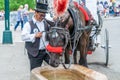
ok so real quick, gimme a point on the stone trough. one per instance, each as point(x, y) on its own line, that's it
point(76, 72)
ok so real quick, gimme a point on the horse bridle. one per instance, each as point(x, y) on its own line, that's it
point(68, 39)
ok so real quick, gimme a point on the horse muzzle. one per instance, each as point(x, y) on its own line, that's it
point(55, 53)
point(54, 60)
point(54, 63)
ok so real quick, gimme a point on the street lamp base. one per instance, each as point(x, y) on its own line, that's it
point(7, 37)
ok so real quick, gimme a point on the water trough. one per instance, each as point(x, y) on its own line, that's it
point(76, 72)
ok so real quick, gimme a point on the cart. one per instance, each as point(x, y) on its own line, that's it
point(94, 41)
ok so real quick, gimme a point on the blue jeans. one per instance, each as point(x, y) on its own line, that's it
point(25, 19)
point(18, 22)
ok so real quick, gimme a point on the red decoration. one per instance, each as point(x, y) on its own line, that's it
point(83, 11)
point(56, 50)
point(60, 6)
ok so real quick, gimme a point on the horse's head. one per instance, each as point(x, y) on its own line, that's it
point(58, 39)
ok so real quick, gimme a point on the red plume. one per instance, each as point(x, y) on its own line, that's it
point(60, 6)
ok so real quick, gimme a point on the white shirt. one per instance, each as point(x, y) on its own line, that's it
point(100, 7)
point(27, 37)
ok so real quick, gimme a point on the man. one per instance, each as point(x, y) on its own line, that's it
point(19, 17)
point(25, 13)
point(34, 37)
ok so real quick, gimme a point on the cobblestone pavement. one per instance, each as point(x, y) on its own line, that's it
point(14, 64)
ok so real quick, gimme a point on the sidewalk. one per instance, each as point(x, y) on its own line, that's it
point(14, 63)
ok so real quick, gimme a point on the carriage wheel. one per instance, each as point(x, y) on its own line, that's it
point(106, 47)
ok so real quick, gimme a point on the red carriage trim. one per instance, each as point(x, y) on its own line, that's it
point(57, 50)
point(83, 11)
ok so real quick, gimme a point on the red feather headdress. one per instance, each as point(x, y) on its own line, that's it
point(60, 6)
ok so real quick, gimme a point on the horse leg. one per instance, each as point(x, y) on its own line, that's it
point(83, 48)
point(67, 60)
point(75, 57)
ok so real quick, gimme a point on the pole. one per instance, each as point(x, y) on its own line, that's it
point(7, 34)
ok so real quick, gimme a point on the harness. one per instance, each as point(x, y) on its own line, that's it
point(78, 27)
point(77, 24)
point(77, 32)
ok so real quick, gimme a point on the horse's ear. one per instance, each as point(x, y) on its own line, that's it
point(65, 21)
point(60, 6)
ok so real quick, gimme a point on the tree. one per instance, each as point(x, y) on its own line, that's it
point(1, 4)
point(14, 4)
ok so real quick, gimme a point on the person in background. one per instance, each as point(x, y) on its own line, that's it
point(100, 9)
point(31, 10)
point(2, 15)
point(19, 17)
point(106, 9)
point(34, 37)
point(31, 13)
point(25, 13)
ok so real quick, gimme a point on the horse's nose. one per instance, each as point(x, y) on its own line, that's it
point(54, 64)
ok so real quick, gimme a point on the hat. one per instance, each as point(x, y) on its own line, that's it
point(41, 6)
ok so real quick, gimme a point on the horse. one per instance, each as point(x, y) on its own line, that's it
point(69, 35)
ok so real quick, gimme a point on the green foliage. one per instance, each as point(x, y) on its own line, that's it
point(1, 4)
point(14, 4)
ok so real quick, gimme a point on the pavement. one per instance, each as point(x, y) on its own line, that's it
point(14, 63)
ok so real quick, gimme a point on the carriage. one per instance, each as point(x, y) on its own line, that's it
point(97, 37)
point(72, 33)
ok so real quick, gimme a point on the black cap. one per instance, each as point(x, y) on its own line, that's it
point(41, 6)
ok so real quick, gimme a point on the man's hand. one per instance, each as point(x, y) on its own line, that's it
point(38, 35)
